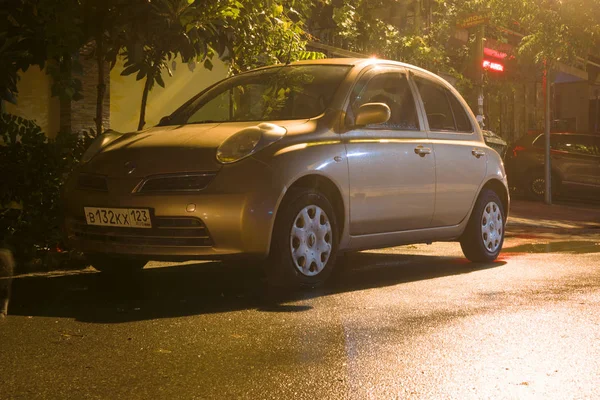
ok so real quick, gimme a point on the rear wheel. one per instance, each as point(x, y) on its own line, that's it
point(305, 241)
point(115, 265)
point(536, 185)
point(484, 235)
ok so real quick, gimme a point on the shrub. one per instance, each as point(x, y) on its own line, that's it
point(33, 169)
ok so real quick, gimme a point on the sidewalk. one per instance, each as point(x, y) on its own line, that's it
point(537, 217)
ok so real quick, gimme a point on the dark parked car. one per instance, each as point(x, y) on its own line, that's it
point(575, 161)
point(495, 142)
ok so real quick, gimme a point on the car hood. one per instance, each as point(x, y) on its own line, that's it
point(167, 149)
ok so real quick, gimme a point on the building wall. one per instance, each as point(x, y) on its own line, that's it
point(83, 112)
point(35, 101)
point(126, 93)
point(572, 101)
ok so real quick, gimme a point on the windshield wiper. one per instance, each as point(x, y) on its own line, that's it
point(206, 121)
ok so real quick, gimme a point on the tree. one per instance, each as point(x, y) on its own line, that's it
point(420, 31)
point(43, 33)
point(160, 30)
point(103, 26)
point(247, 34)
point(367, 27)
point(266, 32)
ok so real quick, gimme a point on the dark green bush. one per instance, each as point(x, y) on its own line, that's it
point(33, 169)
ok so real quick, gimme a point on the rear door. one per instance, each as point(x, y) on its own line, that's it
point(461, 158)
point(578, 159)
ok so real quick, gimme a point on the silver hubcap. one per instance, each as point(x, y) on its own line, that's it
point(310, 240)
point(491, 227)
point(538, 186)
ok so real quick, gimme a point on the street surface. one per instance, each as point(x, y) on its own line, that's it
point(415, 322)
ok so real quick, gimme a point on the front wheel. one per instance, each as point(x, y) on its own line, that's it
point(305, 241)
point(115, 265)
point(484, 235)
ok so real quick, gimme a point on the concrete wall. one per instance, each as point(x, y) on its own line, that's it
point(35, 101)
point(126, 93)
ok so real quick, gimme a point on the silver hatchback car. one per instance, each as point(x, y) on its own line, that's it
point(293, 164)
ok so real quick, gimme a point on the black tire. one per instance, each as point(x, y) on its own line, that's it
point(473, 240)
point(283, 267)
point(535, 185)
point(115, 265)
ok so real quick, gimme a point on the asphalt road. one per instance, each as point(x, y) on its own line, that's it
point(410, 322)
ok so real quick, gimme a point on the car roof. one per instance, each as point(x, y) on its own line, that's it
point(574, 133)
point(363, 62)
point(354, 62)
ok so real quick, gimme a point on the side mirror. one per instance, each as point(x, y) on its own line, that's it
point(372, 113)
point(164, 120)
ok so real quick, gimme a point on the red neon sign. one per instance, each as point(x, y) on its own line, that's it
point(487, 64)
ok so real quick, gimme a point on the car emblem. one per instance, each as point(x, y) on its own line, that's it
point(130, 167)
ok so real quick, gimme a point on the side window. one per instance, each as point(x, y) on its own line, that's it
point(575, 144)
point(392, 89)
point(437, 107)
point(463, 124)
point(558, 142)
point(582, 145)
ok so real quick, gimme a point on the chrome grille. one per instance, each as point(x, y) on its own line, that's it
point(165, 231)
point(92, 182)
point(175, 183)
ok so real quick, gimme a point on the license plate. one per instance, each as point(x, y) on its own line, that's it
point(125, 217)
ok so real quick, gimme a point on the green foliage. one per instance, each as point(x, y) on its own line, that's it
point(33, 170)
point(40, 32)
point(267, 32)
point(247, 33)
point(364, 26)
point(557, 31)
point(157, 31)
point(20, 45)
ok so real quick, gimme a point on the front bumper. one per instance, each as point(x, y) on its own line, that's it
point(232, 217)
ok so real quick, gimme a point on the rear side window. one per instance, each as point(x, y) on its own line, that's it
point(444, 111)
point(576, 144)
point(463, 124)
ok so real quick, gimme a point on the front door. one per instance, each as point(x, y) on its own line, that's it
point(391, 165)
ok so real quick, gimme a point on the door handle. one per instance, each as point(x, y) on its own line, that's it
point(422, 151)
point(478, 153)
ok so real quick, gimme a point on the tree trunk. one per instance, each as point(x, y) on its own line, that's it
point(101, 88)
point(149, 80)
point(418, 28)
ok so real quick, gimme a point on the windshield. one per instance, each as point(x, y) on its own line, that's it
point(280, 93)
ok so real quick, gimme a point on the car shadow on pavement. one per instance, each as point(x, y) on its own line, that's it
point(212, 287)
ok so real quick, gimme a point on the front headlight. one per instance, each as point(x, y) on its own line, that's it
point(98, 144)
point(248, 141)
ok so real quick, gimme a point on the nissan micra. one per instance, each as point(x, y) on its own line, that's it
point(293, 164)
